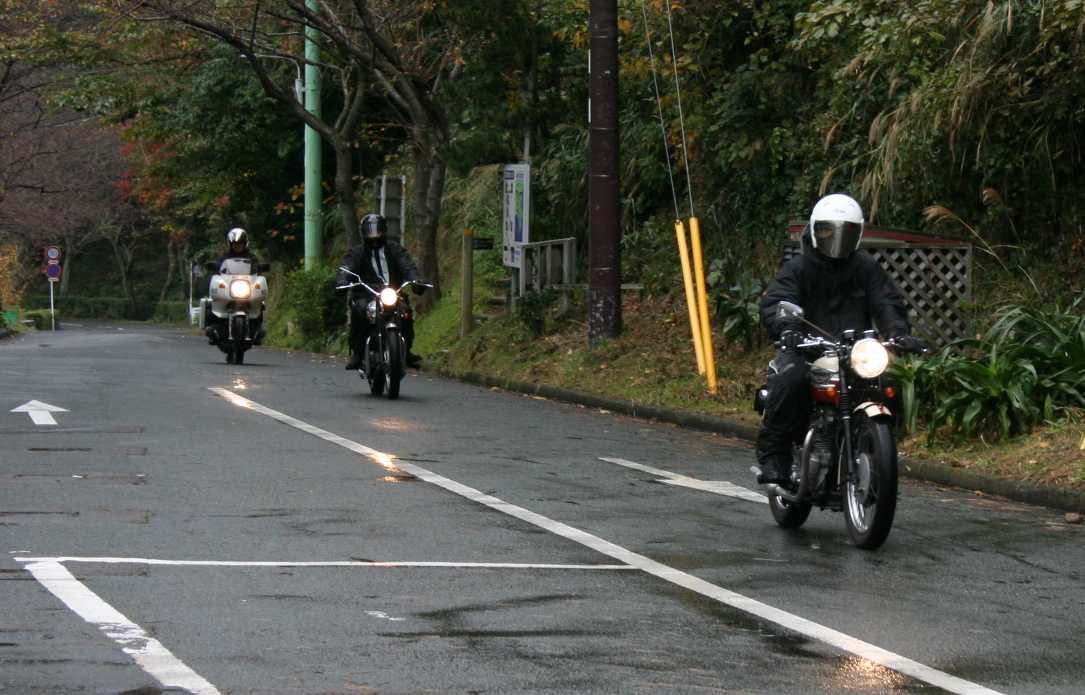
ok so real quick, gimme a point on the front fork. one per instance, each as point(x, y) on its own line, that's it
point(844, 403)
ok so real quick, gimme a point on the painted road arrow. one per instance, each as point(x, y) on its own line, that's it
point(40, 413)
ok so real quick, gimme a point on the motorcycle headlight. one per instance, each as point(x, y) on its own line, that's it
point(869, 358)
point(389, 297)
point(240, 289)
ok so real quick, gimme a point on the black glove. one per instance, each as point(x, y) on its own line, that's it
point(419, 289)
point(790, 339)
point(910, 343)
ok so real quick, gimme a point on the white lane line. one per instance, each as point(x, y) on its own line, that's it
point(146, 651)
point(764, 611)
point(331, 563)
point(718, 487)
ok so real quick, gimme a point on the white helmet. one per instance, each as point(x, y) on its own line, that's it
point(238, 240)
point(836, 225)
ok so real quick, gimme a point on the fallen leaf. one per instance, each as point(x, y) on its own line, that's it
point(1073, 518)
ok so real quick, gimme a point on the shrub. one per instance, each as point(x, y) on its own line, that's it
point(311, 302)
point(531, 309)
point(1028, 367)
point(170, 312)
point(42, 318)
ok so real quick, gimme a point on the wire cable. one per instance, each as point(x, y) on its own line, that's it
point(681, 118)
point(659, 104)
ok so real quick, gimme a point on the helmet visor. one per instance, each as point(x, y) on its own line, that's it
point(837, 238)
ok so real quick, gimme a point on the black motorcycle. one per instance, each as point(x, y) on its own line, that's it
point(385, 360)
point(848, 458)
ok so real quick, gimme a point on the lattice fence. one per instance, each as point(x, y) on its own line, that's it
point(936, 281)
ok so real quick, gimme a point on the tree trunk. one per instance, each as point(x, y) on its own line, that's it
point(123, 256)
point(344, 188)
point(429, 178)
point(171, 257)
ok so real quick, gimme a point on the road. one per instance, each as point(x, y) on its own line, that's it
point(191, 526)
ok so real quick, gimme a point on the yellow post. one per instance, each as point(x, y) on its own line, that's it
point(691, 295)
point(702, 303)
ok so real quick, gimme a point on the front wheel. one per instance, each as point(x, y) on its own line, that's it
point(394, 362)
point(871, 492)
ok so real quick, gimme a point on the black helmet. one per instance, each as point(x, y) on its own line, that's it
point(373, 229)
point(238, 240)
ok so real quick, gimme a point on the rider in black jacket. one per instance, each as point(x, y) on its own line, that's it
point(838, 288)
point(379, 261)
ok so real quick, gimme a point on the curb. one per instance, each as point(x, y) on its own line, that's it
point(1020, 491)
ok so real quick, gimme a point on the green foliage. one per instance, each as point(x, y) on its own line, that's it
point(312, 306)
point(1028, 368)
point(738, 306)
point(42, 318)
point(171, 312)
point(117, 308)
point(532, 308)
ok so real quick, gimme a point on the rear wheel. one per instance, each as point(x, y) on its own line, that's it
point(871, 494)
point(393, 359)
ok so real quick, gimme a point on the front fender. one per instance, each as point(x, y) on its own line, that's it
point(873, 410)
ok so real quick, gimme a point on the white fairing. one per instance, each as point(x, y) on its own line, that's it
point(829, 363)
point(223, 304)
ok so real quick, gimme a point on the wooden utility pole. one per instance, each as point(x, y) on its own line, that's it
point(604, 274)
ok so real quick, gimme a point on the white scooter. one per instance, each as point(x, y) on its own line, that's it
point(238, 292)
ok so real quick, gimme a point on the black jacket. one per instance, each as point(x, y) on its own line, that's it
point(360, 260)
point(836, 294)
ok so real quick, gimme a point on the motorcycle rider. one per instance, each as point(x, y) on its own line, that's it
point(838, 287)
point(378, 261)
point(237, 240)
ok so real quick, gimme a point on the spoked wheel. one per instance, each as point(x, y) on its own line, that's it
point(871, 494)
point(393, 359)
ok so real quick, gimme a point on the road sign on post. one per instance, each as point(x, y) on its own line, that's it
point(517, 212)
point(52, 254)
point(52, 271)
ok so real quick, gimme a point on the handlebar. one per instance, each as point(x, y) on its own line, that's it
point(810, 342)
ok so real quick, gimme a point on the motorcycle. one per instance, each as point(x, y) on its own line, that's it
point(848, 459)
point(385, 359)
point(238, 293)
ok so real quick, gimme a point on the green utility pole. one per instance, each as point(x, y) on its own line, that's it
point(314, 243)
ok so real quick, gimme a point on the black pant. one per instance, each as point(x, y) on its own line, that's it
point(787, 408)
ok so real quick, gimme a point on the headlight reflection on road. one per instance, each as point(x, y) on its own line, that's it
point(853, 673)
point(385, 461)
point(240, 384)
point(395, 424)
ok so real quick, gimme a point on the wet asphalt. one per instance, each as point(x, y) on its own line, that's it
point(148, 463)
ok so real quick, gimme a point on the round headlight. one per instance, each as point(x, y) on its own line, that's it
point(240, 289)
point(869, 358)
point(389, 297)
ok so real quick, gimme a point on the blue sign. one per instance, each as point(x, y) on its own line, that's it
point(53, 271)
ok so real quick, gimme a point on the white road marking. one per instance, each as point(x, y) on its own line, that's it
point(40, 413)
point(764, 611)
point(307, 563)
point(383, 616)
point(146, 651)
point(718, 487)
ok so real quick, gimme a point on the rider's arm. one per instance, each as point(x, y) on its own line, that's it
point(402, 259)
point(787, 286)
point(887, 304)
